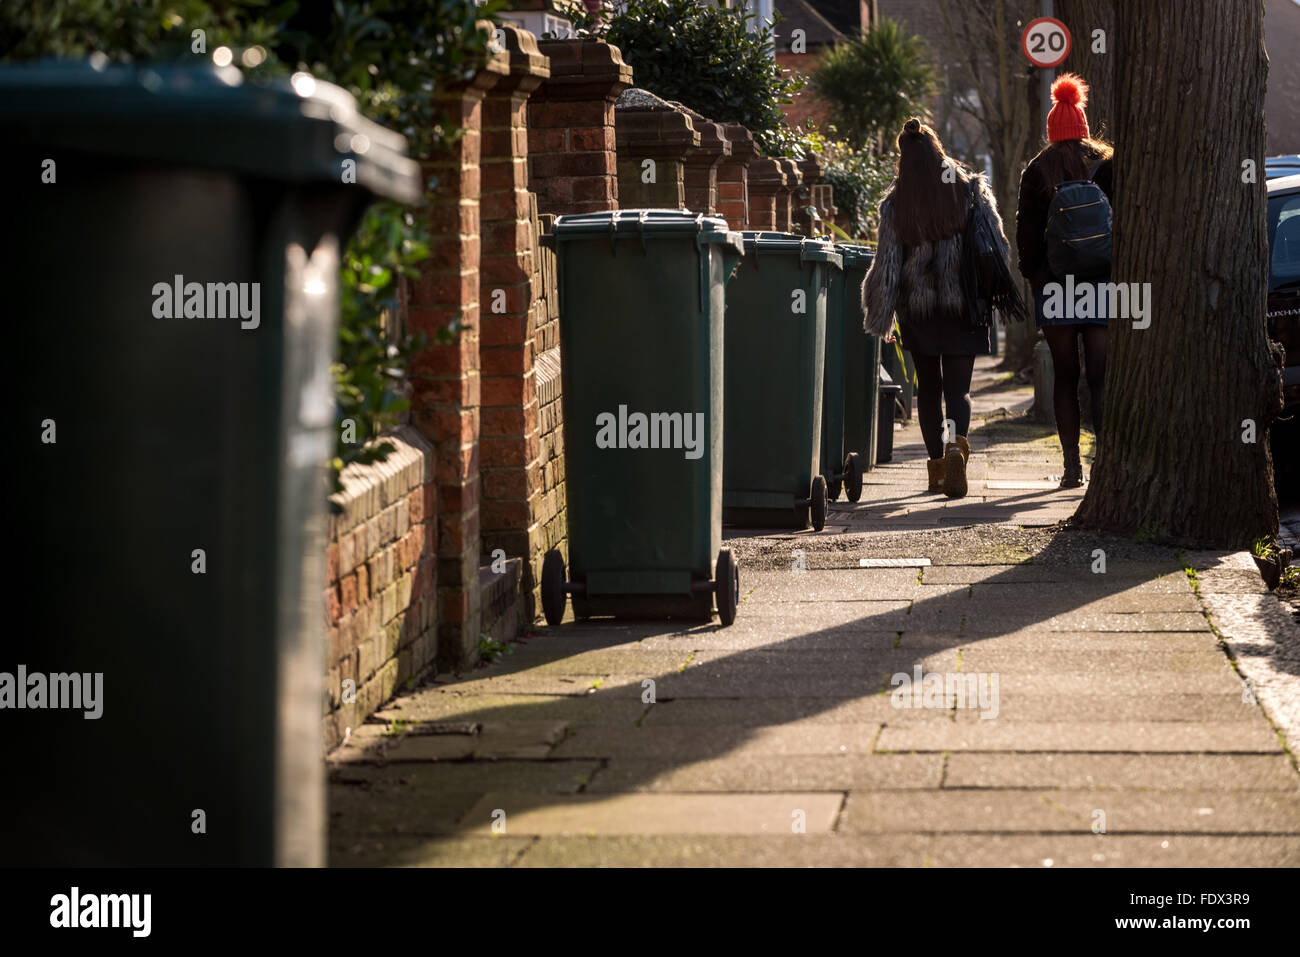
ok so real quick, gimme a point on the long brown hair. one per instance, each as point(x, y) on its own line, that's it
point(1072, 159)
point(926, 208)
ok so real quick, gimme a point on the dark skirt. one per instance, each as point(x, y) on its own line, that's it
point(942, 334)
point(1097, 313)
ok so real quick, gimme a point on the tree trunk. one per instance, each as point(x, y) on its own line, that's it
point(1173, 463)
point(1083, 17)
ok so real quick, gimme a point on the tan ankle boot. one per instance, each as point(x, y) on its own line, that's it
point(935, 467)
point(954, 467)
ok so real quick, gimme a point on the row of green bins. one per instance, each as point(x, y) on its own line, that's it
point(174, 449)
point(861, 360)
point(775, 350)
point(642, 296)
point(846, 453)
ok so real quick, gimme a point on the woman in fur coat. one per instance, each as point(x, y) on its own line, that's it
point(916, 274)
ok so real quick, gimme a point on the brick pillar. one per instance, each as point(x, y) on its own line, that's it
point(654, 138)
point(445, 378)
point(785, 196)
point(702, 164)
point(803, 205)
point(766, 179)
point(733, 176)
point(508, 448)
point(571, 161)
point(824, 201)
point(571, 169)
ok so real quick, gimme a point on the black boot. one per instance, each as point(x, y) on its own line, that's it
point(1073, 477)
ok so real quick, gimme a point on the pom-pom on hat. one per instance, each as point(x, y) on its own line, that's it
point(1067, 120)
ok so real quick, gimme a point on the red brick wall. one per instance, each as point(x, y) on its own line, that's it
point(380, 573)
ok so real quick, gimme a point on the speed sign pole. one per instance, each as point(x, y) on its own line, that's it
point(1045, 43)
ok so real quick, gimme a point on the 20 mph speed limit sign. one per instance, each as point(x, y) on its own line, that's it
point(1045, 42)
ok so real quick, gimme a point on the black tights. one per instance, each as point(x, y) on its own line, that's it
point(945, 378)
point(1064, 343)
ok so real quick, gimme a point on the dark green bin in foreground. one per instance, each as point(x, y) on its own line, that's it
point(776, 342)
point(641, 300)
point(861, 360)
point(172, 447)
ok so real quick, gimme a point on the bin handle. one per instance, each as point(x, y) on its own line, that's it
point(640, 221)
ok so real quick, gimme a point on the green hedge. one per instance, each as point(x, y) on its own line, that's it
point(704, 56)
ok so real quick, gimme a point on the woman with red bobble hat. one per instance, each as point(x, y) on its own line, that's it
point(1063, 235)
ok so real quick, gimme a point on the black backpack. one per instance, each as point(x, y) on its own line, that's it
point(986, 279)
point(1078, 230)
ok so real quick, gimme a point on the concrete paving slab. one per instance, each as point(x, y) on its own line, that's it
point(1072, 811)
point(1135, 736)
point(1113, 850)
point(428, 852)
point(650, 814)
point(1236, 772)
point(756, 773)
point(796, 850)
point(687, 742)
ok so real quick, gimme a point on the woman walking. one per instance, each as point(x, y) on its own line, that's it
point(1049, 255)
point(918, 273)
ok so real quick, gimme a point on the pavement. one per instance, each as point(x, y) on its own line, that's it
point(926, 682)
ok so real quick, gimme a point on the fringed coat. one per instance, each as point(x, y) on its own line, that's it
point(922, 284)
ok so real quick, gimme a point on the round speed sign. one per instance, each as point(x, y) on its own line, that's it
point(1045, 42)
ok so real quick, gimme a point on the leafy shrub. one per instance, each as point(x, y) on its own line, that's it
point(859, 177)
point(874, 82)
point(392, 55)
point(705, 57)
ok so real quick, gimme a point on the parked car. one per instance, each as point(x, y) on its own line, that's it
point(1276, 166)
point(1284, 303)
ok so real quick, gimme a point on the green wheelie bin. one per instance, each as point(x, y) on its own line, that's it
point(841, 462)
point(775, 352)
point(641, 301)
point(861, 360)
point(175, 302)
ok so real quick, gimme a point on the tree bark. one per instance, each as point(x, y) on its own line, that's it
point(1083, 17)
point(1173, 465)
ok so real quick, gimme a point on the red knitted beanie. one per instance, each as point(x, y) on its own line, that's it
point(1067, 120)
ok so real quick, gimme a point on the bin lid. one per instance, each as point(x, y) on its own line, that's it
point(646, 223)
point(760, 242)
point(297, 129)
point(855, 256)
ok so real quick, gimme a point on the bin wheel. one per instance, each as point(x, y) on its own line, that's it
point(727, 576)
point(853, 477)
point(818, 503)
point(832, 489)
point(553, 587)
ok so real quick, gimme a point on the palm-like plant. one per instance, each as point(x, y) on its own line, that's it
point(874, 82)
